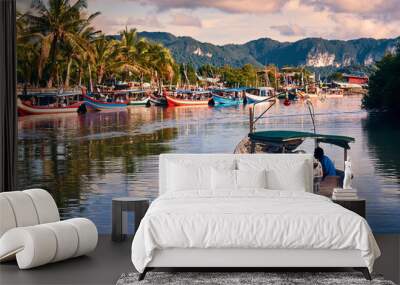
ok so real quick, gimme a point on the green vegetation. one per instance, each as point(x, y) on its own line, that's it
point(264, 51)
point(58, 46)
point(384, 85)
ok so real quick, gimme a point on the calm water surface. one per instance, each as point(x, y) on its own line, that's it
point(86, 160)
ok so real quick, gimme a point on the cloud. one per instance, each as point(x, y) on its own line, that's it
point(148, 21)
point(349, 26)
point(289, 30)
point(229, 6)
point(181, 19)
point(113, 25)
point(376, 9)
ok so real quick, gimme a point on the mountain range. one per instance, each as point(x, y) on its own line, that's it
point(312, 52)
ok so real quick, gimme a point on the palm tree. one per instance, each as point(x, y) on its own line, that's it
point(105, 54)
point(58, 26)
point(161, 62)
point(130, 52)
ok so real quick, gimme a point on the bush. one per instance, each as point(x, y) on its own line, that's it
point(384, 85)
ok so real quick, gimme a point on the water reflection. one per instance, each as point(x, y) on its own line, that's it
point(86, 160)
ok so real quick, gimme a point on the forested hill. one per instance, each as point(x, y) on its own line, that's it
point(313, 52)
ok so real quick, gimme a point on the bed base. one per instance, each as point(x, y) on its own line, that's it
point(242, 260)
point(363, 270)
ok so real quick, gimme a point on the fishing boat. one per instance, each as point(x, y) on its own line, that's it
point(188, 98)
point(259, 94)
point(137, 98)
point(228, 97)
point(288, 141)
point(97, 101)
point(158, 100)
point(49, 103)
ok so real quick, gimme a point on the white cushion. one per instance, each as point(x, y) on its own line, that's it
point(254, 179)
point(45, 205)
point(37, 245)
point(23, 208)
point(184, 175)
point(7, 218)
point(223, 179)
point(283, 173)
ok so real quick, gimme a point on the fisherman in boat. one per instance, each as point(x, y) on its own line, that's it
point(328, 167)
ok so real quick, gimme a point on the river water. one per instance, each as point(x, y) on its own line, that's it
point(85, 160)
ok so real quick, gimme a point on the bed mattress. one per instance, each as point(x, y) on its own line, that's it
point(250, 219)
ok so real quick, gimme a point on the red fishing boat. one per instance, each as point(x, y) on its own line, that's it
point(49, 103)
point(189, 98)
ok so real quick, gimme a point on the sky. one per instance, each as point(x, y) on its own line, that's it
point(239, 21)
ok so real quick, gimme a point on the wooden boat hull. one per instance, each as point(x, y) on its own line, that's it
point(178, 102)
point(95, 105)
point(25, 110)
point(158, 101)
point(143, 102)
point(223, 101)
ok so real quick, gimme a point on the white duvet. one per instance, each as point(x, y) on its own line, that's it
point(250, 219)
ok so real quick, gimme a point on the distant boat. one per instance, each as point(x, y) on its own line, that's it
point(93, 104)
point(255, 95)
point(226, 101)
point(49, 103)
point(228, 97)
point(158, 100)
point(137, 97)
point(188, 98)
point(142, 102)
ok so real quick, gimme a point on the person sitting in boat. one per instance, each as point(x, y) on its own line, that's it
point(328, 167)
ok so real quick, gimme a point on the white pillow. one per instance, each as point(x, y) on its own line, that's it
point(284, 172)
point(294, 179)
point(184, 178)
point(192, 174)
point(251, 179)
point(223, 179)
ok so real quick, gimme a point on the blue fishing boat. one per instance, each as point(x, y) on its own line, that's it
point(93, 104)
point(228, 97)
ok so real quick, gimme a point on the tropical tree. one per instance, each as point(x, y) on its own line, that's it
point(384, 85)
point(60, 27)
point(105, 54)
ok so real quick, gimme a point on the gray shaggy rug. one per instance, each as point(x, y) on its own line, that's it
point(243, 278)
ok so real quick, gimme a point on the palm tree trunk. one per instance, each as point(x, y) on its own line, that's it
point(80, 76)
point(90, 78)
point(100, 75)
point(67, 77)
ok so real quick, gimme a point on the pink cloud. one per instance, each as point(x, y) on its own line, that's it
point(378, 9)
point(289, 30)
point(181, 19)
point(113, 25)
point(230, 6)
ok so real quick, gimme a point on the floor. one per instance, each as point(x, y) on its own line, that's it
point(104, 266)
point(110, 260)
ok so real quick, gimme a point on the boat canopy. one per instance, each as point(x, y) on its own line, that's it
point(286, 137)
point(183, 91)
point(239, 89)
point(51, 94)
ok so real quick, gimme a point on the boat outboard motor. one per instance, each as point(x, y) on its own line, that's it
point(148, 104)
point(211, 102)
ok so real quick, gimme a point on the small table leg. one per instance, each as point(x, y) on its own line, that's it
point(116, 222)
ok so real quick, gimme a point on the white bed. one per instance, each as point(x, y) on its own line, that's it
point(198, 222)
